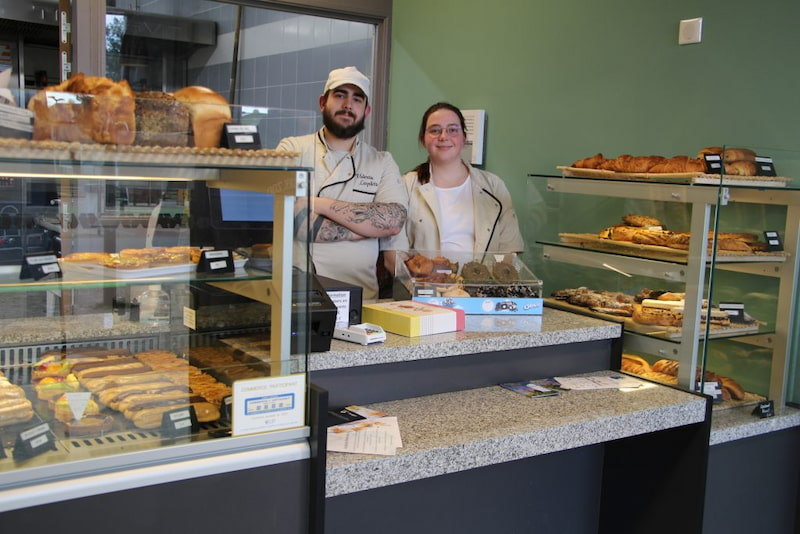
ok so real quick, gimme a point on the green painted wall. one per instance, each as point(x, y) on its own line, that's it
point(565, 79)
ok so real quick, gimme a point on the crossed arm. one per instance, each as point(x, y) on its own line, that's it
point(335, 220)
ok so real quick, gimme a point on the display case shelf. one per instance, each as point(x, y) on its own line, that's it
point(695, 271)
point(71, 313)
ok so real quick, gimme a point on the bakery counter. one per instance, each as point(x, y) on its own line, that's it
point(491, 460)
point(491, 349)
point(739, 423)
point(483, 333)
point(461, 430)
point(753, 465)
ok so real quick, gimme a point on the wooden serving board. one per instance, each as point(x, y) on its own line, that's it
point(676, 177)
point(595, 242)
point(670, 332)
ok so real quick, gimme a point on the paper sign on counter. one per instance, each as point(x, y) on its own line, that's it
point(598, 382)
point(370, 436)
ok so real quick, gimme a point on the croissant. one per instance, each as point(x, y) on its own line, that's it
point(592, 162)
point(741, 168)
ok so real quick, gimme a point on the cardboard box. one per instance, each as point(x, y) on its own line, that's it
point(518, 292)
point(412, 319)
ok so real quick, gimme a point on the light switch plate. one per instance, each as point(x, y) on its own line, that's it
point(690, 31)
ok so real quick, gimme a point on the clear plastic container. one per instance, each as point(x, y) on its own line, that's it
point(154, 306)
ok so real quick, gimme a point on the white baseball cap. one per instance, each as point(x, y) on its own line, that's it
point(347, 75)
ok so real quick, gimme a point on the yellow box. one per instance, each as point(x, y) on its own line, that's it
point(412, 319)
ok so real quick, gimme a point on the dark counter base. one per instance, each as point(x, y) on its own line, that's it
point(754, 485)
point(576, 491)
point(404, 380)
point(266, 499)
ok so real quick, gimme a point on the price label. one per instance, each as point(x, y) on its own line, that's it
point(764, 166)
point(735, 310)
point(714, 390)
point(243, 136)
point(34, 441)
point(38, 266)
point(216, 262)
point(225, 409)
point(713, 163)
point(178, 423)
point(773, 239)
point(764, 409)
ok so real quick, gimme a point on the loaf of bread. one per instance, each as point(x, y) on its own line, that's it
point(209, 112)
point(85, 109)
point(161, 120)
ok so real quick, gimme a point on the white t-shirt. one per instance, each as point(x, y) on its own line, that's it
point(457, 231)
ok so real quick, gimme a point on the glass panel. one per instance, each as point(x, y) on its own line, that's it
point(267, 61)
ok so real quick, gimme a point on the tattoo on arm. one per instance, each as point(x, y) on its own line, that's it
point(382, 216)
point(331, 232)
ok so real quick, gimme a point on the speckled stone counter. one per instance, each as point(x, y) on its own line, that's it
point(739, 423)
point(71, 328)
point(452, 432)
point(483, 333)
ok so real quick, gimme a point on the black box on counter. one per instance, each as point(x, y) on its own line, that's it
point(347, 299)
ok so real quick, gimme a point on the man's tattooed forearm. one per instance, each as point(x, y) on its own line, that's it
point(331, 232)
point(382, 216)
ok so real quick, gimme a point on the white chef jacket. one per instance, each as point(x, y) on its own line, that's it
point(364, 175)
point(496, 226)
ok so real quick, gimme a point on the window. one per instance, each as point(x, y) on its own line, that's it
point(262, 56)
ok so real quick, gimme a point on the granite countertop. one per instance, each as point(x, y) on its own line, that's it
point(72, 328)
point(483, 333)
point(739, 423)
point(453, 432)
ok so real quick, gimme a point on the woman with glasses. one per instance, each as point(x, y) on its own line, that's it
point(454, 207)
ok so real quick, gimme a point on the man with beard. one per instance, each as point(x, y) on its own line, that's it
point(358, 198)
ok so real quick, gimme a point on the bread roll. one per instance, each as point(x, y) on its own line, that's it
point(666, 366)
point(656, 316)
point(733, 387)
point(652, 237)
point(209, 113)
point(644, 221)
point(624, 232)
point(738, 154)
point(635, 362)
point(592, 162)
point(741, 168)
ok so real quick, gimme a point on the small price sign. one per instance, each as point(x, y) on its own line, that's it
point(37, 266)
point(243, 136)
point(179, 423)
point(216, 262)
point(764, 409)
point(34, 441)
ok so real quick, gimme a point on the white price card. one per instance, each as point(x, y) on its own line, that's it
point(266, 404)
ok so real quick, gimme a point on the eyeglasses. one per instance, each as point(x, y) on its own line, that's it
point(436, 131)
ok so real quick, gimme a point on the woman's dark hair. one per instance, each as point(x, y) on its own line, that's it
point(423, 170)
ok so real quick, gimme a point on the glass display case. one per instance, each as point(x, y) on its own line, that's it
point(154, 307)
point(716, 314)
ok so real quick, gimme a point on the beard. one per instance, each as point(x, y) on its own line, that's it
point(342, 132)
